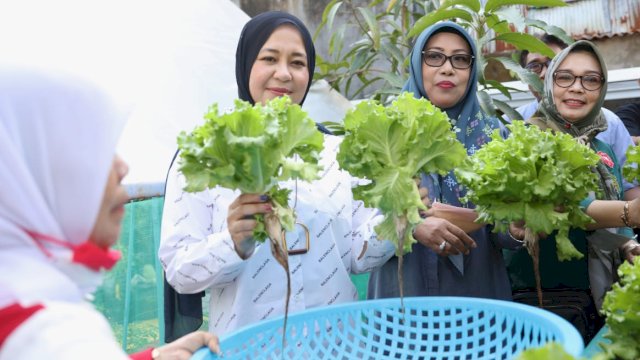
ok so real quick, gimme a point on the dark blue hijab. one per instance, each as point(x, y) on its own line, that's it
point(472, 126)
point(255, 33)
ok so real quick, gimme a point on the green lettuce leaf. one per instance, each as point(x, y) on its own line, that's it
point(622, 309)
point(549, 351)
point(251, 149)
point(391, 146)
point(527, 177)
point(630, 170)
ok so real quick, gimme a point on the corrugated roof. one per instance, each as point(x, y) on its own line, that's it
point(584, 19)
point(592, 19)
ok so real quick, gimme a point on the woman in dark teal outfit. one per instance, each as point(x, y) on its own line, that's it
point(574, 93)
point(443, 69)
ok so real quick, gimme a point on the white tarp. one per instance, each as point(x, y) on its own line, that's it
point(168, 60)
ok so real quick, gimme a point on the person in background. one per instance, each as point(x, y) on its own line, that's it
point(630, 116)
point(574, 90)
point(616, 135)
point(449, 258)
point(206, 240)
point(61, 207)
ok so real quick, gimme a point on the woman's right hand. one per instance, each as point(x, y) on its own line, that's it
point(443, 237)
point(516, 230)
point(241, 221)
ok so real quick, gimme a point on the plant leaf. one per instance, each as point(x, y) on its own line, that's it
point(393, 79)
point(491, 5)
point(513, 16)
point(432, 18)
point(471, 4)
point(497, 24)
point(486, 103)
point(372, 23)
point(528, 42)
point(550, 29)
point(523, 74)
point(493, 84)
point(332, 14)
point(390, 146)
point(325, 16)
point(526, 176)
point(392, 3)
point(251, 149)
point(507, 110)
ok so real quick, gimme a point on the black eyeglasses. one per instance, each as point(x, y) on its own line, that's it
point(565, 79)
point(537, 66)
point(437, 59)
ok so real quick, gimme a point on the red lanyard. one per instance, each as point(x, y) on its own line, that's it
point(86, 253)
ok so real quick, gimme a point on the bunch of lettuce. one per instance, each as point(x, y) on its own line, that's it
point(622, 309)
point(551, 350)
point(533, 176)
point(390, 146)
point(631, 171)
point(251, 149)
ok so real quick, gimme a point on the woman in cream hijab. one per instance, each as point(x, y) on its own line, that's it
point(574, 92)
point(61, 205)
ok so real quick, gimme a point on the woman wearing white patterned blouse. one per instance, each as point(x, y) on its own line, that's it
point(206, 237)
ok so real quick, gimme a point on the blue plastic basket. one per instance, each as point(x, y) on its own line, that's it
point(429, 328)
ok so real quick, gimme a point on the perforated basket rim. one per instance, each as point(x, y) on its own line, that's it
point(567, 335)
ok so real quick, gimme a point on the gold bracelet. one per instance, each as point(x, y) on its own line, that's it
point(625, 215)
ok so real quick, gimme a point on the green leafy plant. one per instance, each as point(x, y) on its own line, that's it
point(630, 170)
point(622, 309)
point(549, 351)
point(378, 62)
point(251, 149)
point(390, 147)
point(533, 176)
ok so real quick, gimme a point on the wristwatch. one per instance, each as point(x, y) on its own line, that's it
point(155, 354)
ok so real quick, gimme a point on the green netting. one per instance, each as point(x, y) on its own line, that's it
point(131, 296)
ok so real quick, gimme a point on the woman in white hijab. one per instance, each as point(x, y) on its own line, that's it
point(61, 204)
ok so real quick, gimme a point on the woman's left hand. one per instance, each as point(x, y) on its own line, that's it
point(184, 347)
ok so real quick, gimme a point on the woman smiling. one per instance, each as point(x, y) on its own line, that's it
point(574, 92)
point(451, 258)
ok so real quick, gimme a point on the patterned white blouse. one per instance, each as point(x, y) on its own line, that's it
point(197, 252)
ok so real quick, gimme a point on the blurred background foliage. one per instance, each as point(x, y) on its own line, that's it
point(376, 65)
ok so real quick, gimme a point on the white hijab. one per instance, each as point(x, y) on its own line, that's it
point(57, 141)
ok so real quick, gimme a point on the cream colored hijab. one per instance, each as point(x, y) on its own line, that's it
point(57, 141)
point(587, 128)
point(595, 122)
point(603, 256)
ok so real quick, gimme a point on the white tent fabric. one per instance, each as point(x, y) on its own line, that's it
point(167, 60)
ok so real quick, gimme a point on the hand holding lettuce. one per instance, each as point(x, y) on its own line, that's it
point(529, 177)
point(251, 149)
point(390, 147)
